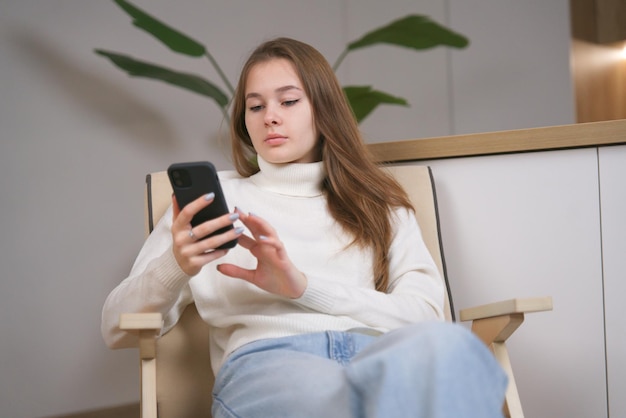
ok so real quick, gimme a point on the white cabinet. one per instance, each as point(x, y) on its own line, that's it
point(524, 225)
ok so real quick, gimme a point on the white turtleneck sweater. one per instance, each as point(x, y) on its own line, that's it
point(340, 294)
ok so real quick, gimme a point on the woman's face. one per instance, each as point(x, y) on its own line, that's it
point(278, 116)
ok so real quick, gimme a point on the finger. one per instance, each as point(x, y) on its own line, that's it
point(216, 241)
point(262, 232)
point(194, 264)
point(212, 225)
point(275, 243)
point(236, 272)
point(258, 226)
point(246, 242)
point(187, 213)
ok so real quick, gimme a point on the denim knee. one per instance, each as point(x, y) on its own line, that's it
point(440, 369)
point(444, 341)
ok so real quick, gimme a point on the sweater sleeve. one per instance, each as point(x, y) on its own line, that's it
point(415, 293)
point(155, 284)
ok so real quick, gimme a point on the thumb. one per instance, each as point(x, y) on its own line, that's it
point(236, 272)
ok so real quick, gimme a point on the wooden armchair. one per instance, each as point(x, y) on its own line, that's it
point(179, 381)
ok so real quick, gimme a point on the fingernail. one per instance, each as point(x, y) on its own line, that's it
point(234, 216)
point(262, 237)
point(239, 230)
point(209, 196)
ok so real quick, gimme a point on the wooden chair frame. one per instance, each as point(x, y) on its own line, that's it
point(493, 323)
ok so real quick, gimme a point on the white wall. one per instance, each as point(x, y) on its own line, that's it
point(513, 75)
point(77, 137)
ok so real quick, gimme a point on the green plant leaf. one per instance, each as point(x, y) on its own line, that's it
point(174, 39)
point(136, 68)
point(363, 100)
point(412, 31)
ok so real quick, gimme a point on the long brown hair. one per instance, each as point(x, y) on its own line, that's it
point(360, 196)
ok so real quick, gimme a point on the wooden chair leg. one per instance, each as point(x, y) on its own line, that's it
point(493, 324)
point(147, 326)
point(147, 354)
point(494, 332)
point(512, 405)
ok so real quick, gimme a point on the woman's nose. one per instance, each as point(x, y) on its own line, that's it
point(271, 116)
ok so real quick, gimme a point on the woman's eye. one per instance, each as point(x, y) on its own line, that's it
point(255, 108)
point(290, 102)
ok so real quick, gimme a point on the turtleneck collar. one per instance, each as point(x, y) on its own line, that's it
point(302, 180)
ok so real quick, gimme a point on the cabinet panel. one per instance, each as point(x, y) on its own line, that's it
point(613, 201)
point(598, 21)
point(527, 225)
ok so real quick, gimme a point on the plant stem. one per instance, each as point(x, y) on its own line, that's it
point(225, 113)
point(340, 59)
point(220, 72)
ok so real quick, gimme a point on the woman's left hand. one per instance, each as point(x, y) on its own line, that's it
point(275, 273)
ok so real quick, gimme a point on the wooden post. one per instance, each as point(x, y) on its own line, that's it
point(494, 332)
point(148, 326)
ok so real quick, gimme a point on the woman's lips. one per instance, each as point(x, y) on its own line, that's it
point(275, 139)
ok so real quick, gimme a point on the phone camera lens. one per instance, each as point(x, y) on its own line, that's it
point(180, 178)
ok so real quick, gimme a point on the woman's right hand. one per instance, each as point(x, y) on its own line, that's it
point(190, 252)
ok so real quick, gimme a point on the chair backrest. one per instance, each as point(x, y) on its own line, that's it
point(183, 366)
point(184, 376)
point(419, 184)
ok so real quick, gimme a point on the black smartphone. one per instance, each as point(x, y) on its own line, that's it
point(194, 179)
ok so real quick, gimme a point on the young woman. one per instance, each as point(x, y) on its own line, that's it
point(331, 305)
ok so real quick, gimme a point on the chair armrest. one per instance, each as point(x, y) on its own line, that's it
point(141, 321)
point(507, 307)
point(148, 326)
point(493, 324)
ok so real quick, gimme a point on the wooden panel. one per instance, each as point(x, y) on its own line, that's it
point(599, 21)
point(611, 15)
point(523, 140)
point(584, 20)
point(599, 73)
point(598, 66)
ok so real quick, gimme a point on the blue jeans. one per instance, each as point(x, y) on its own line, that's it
point(430, 370)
